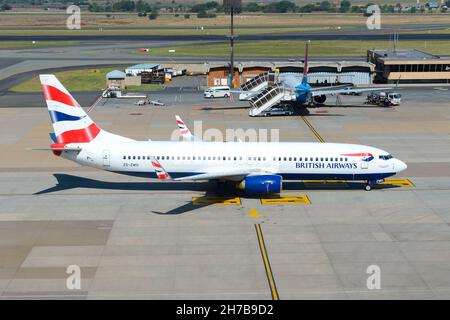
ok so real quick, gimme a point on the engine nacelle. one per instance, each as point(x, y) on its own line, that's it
point(262, 184)
point(320, 99)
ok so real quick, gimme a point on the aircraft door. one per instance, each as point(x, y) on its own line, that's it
point(364, 164)
point(106, 158)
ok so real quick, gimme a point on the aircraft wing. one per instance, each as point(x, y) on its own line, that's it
point(336, 87)
point(228, 174)
point(346, 90)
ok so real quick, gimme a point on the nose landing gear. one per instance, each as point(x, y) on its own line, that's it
point(369, 184)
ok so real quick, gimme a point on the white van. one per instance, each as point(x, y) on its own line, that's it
point(217, 92)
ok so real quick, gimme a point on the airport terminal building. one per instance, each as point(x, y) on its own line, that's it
point(409, 66)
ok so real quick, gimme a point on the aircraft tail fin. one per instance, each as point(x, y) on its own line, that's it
point(70, 122)
point(161, 173)
point(305, 65)
point(184, 130)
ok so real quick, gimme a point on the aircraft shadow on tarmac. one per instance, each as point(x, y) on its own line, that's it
point(67, 182)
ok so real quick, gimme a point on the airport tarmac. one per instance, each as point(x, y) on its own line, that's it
point(139, 238)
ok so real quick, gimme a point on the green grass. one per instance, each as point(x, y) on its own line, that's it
point(143, 31)
point(146, 87)
point(81, 80)
point(73, 80)
point(292, 48)
point(38, 44)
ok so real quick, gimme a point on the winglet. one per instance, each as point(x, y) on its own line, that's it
point(161, 173)
point(184, 130)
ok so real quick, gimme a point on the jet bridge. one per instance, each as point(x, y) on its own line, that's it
point(255, 85)
point(268, 98)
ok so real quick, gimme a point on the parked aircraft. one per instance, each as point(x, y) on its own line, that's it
point(307, 95)
point(255, 167)
point(291, 89)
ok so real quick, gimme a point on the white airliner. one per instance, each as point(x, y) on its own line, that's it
point(255, 167)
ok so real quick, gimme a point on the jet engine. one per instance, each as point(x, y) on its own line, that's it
point(262, 184)
point(320, 99)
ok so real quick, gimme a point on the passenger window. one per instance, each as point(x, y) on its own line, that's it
point(259, 158)
point(342, 159)
point(129, 157)
point(235, 158)
point(193, 158)
point(224, 158)
point(134, 157)
point(184, 158)
point(290, 158)
point(284, 158)
point(317, 159)
point(326, 159)
point(346, 159)
point(300, 159)
point(124, 157)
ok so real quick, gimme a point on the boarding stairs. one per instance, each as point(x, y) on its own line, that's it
point(255, 85)
point(268, 98)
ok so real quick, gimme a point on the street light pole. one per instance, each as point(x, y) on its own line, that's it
point(232, 7)
point(232, 48)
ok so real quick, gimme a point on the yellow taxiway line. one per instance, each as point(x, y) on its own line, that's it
point(262, 246)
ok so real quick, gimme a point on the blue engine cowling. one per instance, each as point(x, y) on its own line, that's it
point(262, 184)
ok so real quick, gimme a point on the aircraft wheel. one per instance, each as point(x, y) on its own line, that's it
point(367, 187)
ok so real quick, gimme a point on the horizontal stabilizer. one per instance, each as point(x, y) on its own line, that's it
point(57, 149)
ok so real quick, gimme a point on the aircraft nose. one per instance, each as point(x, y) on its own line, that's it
point(400, 166)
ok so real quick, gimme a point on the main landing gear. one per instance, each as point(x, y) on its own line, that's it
point(370, 183)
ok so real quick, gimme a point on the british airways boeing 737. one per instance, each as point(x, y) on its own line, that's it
point(255, 167)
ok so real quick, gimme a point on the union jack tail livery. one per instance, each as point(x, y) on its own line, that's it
point(184, 130)
point(159, 170)
point(70, 123)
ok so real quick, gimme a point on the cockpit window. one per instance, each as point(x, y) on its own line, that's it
point(386, 157)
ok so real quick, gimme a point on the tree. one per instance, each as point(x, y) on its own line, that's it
point(205, 6)
point(345, 6)
point(280, 7)
point(5, 7)
point(204, 14)
point(140, 6)
point(187, 16)
point(355, 9)
point(252, 7)
point(153, 15)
